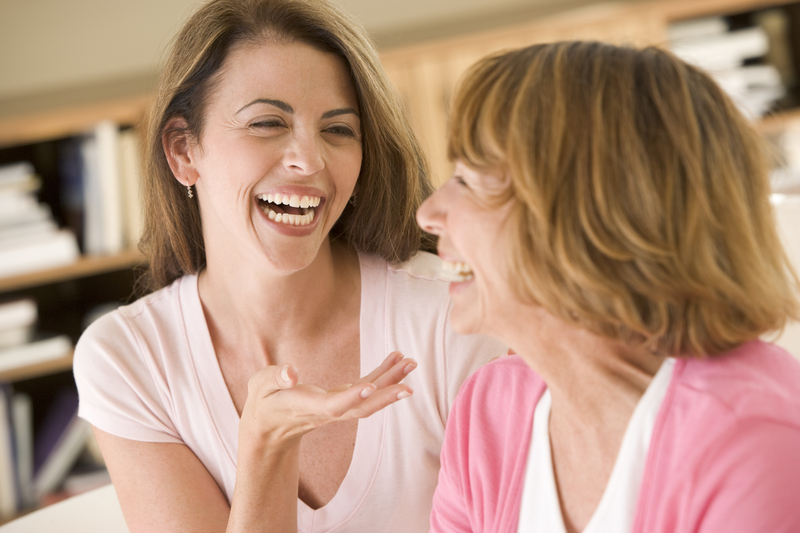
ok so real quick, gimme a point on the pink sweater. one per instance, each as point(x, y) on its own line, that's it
point(724, 455)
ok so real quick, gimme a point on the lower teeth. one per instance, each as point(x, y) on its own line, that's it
point(292, 220)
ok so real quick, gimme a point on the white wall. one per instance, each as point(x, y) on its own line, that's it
point(47, 45)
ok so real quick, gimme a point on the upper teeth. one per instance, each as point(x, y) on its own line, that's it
point(292, 200)
point(306, 202)
point(459, 270)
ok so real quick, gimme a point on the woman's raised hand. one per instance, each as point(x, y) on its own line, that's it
point(280, 409)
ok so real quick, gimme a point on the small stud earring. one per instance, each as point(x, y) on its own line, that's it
point(189, 189)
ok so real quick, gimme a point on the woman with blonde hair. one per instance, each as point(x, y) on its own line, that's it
point(609, 217)
point(281, 182)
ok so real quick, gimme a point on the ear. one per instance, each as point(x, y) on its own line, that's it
point(180, 148)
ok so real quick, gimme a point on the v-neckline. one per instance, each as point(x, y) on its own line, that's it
point(368, 447)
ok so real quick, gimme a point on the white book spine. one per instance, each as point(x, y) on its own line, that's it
point(8, 491)
point(22, 413)
point(108, 166)
point(34, 352)
point(59, 249)
point(130, 170)
point(728, 50)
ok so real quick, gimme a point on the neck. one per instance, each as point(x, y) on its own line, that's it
point(594, 381)
point(242, 300)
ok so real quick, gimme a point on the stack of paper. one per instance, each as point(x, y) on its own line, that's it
point(726, 55)
point(30, 239)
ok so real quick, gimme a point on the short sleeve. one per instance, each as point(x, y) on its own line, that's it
point(451, 502)
point(121, 389)
point(465, 354)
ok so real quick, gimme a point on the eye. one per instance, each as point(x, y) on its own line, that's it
point(267, 123)
point(341, 130)
point(460, 181)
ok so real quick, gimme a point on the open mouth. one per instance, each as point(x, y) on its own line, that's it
point(292, 210)
point(457, 271)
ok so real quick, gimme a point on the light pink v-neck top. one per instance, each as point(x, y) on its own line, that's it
point(148, 372)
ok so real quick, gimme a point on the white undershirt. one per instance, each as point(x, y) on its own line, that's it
point(540, 510)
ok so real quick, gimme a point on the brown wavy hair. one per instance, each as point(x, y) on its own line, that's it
point(640, 194)
point(394, 172)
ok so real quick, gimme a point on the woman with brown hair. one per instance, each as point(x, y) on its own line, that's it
point(610, 220)
point(281, 182)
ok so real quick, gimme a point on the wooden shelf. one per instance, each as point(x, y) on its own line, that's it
point(39, 369)
point(83, 267)
point(54, 124)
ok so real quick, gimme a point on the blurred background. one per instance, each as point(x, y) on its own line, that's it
point(76, 77)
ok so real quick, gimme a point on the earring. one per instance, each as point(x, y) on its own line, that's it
point(189, 189)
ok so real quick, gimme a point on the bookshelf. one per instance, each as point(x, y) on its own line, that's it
point(426, 73)
point(66, 295)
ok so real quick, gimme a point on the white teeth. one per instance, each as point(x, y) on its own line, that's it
point(291, 220)
point(294, 201)
point(459, 271)
point(304, 202)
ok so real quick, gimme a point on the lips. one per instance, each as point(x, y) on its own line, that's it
point(289, 209)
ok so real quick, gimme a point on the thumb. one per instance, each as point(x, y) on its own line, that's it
point(272, 379)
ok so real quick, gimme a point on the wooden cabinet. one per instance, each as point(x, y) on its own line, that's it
point(425, 74)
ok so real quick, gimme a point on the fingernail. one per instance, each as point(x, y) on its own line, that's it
point(403, 394)
point(285, 373)
point(367, 392)
point(409, 368)
point(398, 358)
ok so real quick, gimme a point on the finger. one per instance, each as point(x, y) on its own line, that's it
point(273, 378)
point(387, 364)
point(338, 404)
point(396, 373)
point(378, 400)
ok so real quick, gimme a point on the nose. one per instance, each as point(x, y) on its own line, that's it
point(431, 214)
point(303, 154)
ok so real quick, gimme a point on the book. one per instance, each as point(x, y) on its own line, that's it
point(16, 173)
point(130, 173)
point(19, 312)
point(103, 210)
point(694, 28)
point(8, 487)
point(37, 351)
point(17, 320)
point(71, 182)
point(58, 443)
point(22, 417)
point(48, 251)
point(722, 51)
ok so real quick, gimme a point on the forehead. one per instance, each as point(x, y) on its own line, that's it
point(287, 71)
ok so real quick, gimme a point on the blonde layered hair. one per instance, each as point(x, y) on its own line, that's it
point(640, 194)
point(394, 174)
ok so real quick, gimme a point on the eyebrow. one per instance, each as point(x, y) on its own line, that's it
point(336, 112)
point(283, 106)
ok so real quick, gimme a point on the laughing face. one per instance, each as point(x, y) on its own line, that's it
point(472, 247)
point(278, 157)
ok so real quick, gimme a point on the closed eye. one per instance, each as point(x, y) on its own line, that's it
point(342, 130)
point(267, 124)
